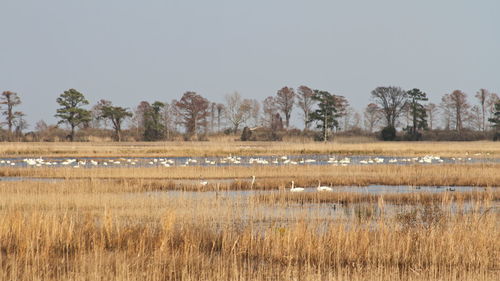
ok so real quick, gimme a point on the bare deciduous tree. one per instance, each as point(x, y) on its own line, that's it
point(457, 104)
point(347, 117)
point(446, 113)
point(171, 118)
point(431, 109)
point(474, 118)
point(238, 110)
point(285, 99)
point(194, 111)
point(213, 108)
point(343, 111)
point(138, 118)
point(20, 123)
point(220, 111)
point(176, 115)
point(482, 95)
point(405, 119)
point(392, 101)
point(255, 112)
point(305, 102)
point(270, 110)
point(355, 121)
point(372, 116)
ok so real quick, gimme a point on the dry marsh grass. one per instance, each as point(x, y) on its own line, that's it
point(70, 231)
point(406, 199)
point(113, 224)
point(228, 146)
point(81, 189)
point(56, 247)
point(276, 177)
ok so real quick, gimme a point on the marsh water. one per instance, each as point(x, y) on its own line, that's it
point(279, 215)
point(342, 160)
point(285, 213)
point(371, 189)
point(314, 210)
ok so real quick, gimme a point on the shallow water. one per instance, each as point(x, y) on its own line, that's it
point(274, 160)
point(16, 179)
point(371, 189)
point(276, 215)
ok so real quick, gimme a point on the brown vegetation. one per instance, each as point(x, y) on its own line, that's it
point(276, 177)
point(224, 146)
point(413, 198)
point(119, 224)
point(86, 231)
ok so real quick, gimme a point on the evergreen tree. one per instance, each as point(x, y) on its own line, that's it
point(495, 120)
point(326, 114)
point(71, 112)
point(417, 112)
point(11, 100)
point(154, 128)
point(116, 115)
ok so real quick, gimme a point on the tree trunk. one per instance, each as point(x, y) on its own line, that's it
point(484, 126)
point(430, 119)
point(306, 118)
point(218, 122)
point(195, 131)
point(72, 135)
point(118, 133)
point(414, 120)
point(10, 117)
point(325, 129)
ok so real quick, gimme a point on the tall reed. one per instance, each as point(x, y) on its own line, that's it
point(272, 177)
point(230, 146)
point(39, 246)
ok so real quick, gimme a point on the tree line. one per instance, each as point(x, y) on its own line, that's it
point(323, 114)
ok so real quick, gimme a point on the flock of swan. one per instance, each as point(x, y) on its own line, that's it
point(293, 188)
point(300, 189)
point(225, 161)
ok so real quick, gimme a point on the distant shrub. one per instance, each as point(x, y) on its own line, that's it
point(449, 135)
point(418, 136)
point(496, 137)
point(246, 134)
point(263, 134)
point(388, 133)
point(320, 137)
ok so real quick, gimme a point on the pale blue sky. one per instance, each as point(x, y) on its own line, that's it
point(127, 51)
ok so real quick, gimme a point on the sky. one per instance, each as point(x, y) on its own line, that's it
point(128, 51)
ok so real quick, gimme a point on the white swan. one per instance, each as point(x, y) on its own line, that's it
point(296, 189)
point(323, 188)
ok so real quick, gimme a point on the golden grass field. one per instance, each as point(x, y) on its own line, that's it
point(160, 224)
point(279, 177)
point(226, 146)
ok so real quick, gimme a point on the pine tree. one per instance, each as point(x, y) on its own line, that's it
point(417, 112)
point(71, 112)
point(154, 128)
point(326, 114)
